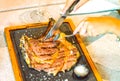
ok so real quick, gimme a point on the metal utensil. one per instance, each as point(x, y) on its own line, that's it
point(61, 20)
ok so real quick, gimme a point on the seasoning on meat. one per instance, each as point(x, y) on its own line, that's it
point(49, 56)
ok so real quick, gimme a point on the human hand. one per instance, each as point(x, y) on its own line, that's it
point(69, 2)
point(93, 26)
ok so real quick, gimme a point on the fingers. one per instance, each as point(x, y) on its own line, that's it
point(89, 30)
point(85, 28)
point(79, 26)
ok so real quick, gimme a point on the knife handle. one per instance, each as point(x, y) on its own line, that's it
point(71, 7)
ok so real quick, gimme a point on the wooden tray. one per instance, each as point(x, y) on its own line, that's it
point(16, 57)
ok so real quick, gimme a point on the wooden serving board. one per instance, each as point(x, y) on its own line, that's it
point(13, 51)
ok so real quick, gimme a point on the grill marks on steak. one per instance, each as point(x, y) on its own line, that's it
point(51, 57)
point(42, 48)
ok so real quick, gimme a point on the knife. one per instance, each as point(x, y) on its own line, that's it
point(61, 20)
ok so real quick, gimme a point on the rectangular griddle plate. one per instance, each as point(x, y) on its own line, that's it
point(24, 73)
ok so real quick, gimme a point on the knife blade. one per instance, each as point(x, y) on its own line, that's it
point(55, 27)
point(61, 20)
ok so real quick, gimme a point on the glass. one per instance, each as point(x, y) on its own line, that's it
point(45, 10)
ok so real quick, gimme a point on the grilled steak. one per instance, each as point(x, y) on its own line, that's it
point(49, 56)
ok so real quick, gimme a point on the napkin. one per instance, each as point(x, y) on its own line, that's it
point(106, 51)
